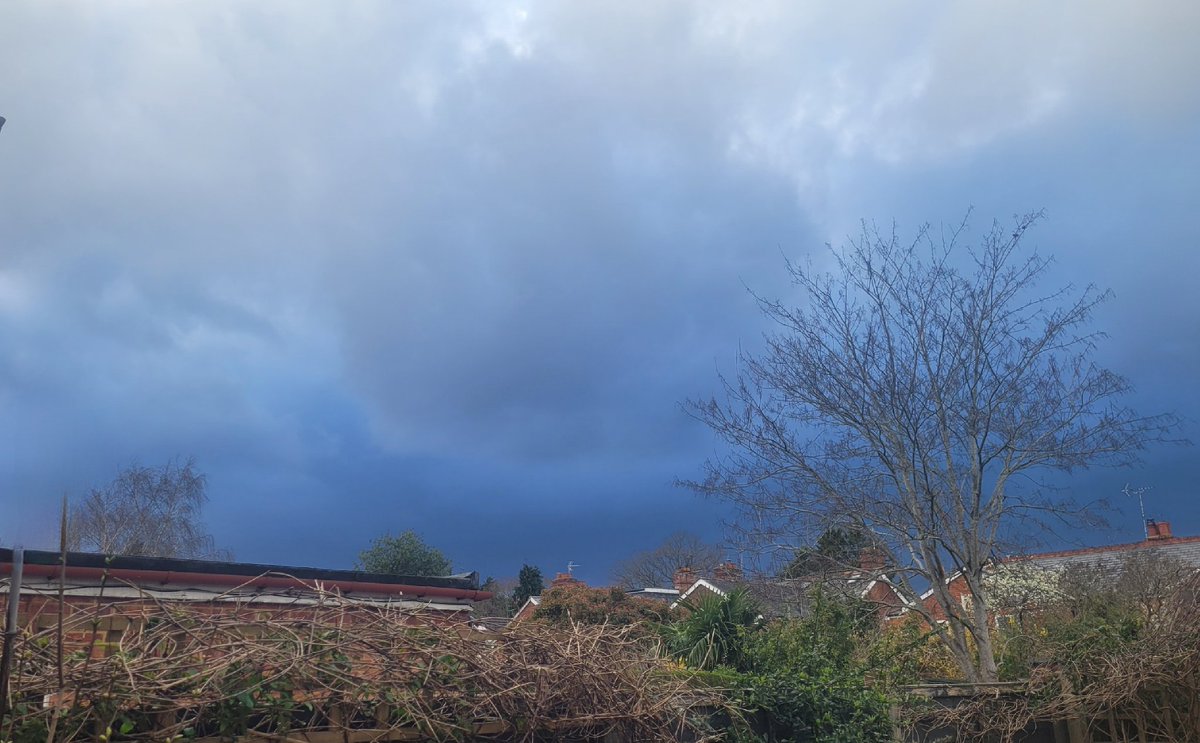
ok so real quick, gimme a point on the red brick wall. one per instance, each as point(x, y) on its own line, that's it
point(883, 596)
point(958, 590)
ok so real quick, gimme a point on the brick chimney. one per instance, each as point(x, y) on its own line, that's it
point(1157, 530)
point(728, 571)
point(871, 559)
point(684, 578)
point(565, 580)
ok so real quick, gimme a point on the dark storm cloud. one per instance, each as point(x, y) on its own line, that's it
point(387, 265)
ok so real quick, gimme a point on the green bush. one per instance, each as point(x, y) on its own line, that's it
point(796, 680)
point(834, 707)
point(562, 605)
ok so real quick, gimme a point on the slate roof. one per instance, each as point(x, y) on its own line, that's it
point(789, 598)
point(656, 594)
point(1186, 550)
point(490, 624)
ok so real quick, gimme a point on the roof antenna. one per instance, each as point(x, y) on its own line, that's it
point(571, 565)
point(1141, 504)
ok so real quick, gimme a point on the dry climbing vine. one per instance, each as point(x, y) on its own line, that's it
point(184, 671)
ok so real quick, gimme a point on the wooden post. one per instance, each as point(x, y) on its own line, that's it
point(11, 628)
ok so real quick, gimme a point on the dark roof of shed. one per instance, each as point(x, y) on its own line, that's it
point(462, 581)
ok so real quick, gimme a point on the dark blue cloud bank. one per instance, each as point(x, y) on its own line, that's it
point(385, 266)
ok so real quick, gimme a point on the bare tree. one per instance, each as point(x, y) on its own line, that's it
point(919, 402)
point(501, 604)
point(656, 568)
point(148, 511)
point(1149, 579)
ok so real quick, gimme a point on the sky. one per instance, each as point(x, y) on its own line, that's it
point(453, 267)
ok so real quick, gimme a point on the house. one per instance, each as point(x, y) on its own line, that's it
point(129, 586)
point(220, 651)
point(527, 609)
point(531, 604)
point(790, 597)
point(1033, 572)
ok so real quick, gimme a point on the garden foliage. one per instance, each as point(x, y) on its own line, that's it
point(796, 679)
point(566, 605)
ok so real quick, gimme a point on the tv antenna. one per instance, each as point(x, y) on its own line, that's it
point(1141, 504)
point(571, 565)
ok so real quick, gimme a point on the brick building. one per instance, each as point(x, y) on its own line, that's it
point(1106, 561)
point(126, 587)
point(790, 597)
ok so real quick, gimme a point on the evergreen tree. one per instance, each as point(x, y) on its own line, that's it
point(529, 583)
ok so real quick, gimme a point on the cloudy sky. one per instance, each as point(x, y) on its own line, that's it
point(453, 266)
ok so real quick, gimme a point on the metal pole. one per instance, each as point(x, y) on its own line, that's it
point(1142, 505)
point(11, 629)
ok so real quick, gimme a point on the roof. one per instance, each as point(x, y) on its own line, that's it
point(249, 569)
point(153, 572)
point(785, 598)
point(782, 598)
point(1184, 549)
point(661, 594)
point(790, 597)
point(1107, 557)
point(704, 583)
point(490, 624)
point(527, 609)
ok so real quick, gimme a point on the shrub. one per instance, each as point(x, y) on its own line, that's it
point(716, 631)
point(797, 679)
point(563, 605)
point(907, 652)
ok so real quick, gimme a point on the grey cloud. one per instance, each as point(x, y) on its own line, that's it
point(365, 255)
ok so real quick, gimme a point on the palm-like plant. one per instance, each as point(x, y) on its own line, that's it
point(714, 633)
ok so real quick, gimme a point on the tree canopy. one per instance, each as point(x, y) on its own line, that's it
point(564, 605)
point(403, 554)
point(837, 548)
point(656, 568)
point(501, 603)
point(918, 393)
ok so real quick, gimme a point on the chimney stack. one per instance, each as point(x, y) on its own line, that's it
point(871, 560)
point(1157, 530)
point(684, 578)
point(728, 571)
point(565, 580)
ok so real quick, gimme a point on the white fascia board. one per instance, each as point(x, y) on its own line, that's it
point(953, 576)
point(693, 587)
point(535, 600)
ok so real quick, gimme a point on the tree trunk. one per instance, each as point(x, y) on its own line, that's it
point(988, 672)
